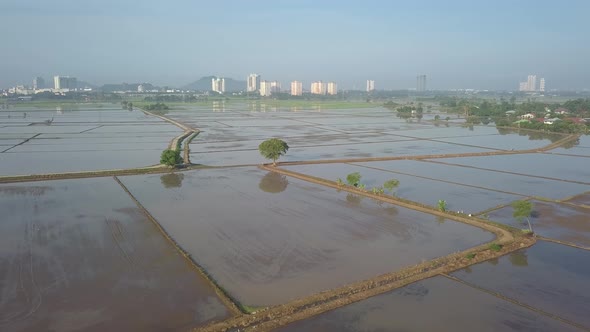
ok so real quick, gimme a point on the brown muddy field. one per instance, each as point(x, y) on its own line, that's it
point(268, 239)
point(78, 255)
point(436, 304)
point(552, 220)
point(548, 276)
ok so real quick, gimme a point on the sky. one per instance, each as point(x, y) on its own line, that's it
point(456, 43)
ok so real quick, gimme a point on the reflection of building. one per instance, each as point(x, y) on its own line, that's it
point(421, 83)
point(253, 83)
point(265, 88)
point(296, 88)
point(65, 83)
point(218, 106)
point(218, 84)
point(318, 88)
point(332, 88)
point(370, 85)
point(275, 87)
point(38, 83)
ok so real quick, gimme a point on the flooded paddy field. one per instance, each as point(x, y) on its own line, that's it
point(513, 183)
point(435, 304)
point(532, 164)
point(79, 255)
point(548, 276)
point(552, 220)
point(68, 140)
point(268, 239)
point(422, 190)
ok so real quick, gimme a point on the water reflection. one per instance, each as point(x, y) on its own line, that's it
point(172, 180)
point(353, 200)
point(273, 183)
point(519, 258)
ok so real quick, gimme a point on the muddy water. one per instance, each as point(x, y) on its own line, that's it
point(268, 239)
point(89, 140)
point(425, 191)
point(582, 199)
point(436, 304)
point(524, 185)
point(548, 276)
point(78, 255)
point(555, 221)
point(555, 166)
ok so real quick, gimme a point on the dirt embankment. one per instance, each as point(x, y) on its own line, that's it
point(273, 317)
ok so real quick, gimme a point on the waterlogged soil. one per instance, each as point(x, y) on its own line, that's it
point(436, 304)
point(425, 191)
point(536, 164)
point(268, 239)
point(582, 199)
point(78, 255)
point(552, 220)
point(547, 276)
point(518, 184)
point(96, 138)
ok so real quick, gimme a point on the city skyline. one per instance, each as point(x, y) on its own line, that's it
point(108, 45)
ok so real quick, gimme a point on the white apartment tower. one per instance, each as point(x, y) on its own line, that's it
point(532, 83)
point(65, 83)
point(218, 84)
point(275, 87)
point(542, 85)
point(253, 83)
point(332, 88)
point(296, 88)
point(318, 88)
point(265, 88)
point(370, 85)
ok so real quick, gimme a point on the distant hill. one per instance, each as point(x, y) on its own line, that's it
point(82, 85)
point(204, 84)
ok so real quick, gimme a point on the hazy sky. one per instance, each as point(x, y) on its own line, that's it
point(458, 44)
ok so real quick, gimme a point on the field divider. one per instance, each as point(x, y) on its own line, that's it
point(565, 243)
point(226, 298)
point(303, 308)
point(514, 301)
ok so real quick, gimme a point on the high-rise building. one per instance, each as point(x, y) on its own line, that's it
point(318, 88)
point(421, 83)
point(542, 85)
point(275, 87)
point(265, 88)
point(218, 84)
point(296, 88)
point(38, 83)
point(332, 88)
point(532, 83)
point(370, 85)
point(65, 83)
point(523, 86)
point(253, 83)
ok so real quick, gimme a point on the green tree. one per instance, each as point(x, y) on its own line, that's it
point(442, 205)
point(170, 157)
point(353, 179)
point(390, 185)
point(522, 211)
point(273, 149)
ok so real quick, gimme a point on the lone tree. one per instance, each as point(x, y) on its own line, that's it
point(353, 179)
point(170, 157)
point(523, 210)
point(390, 185)
point(442, 205)
point(273, 149)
